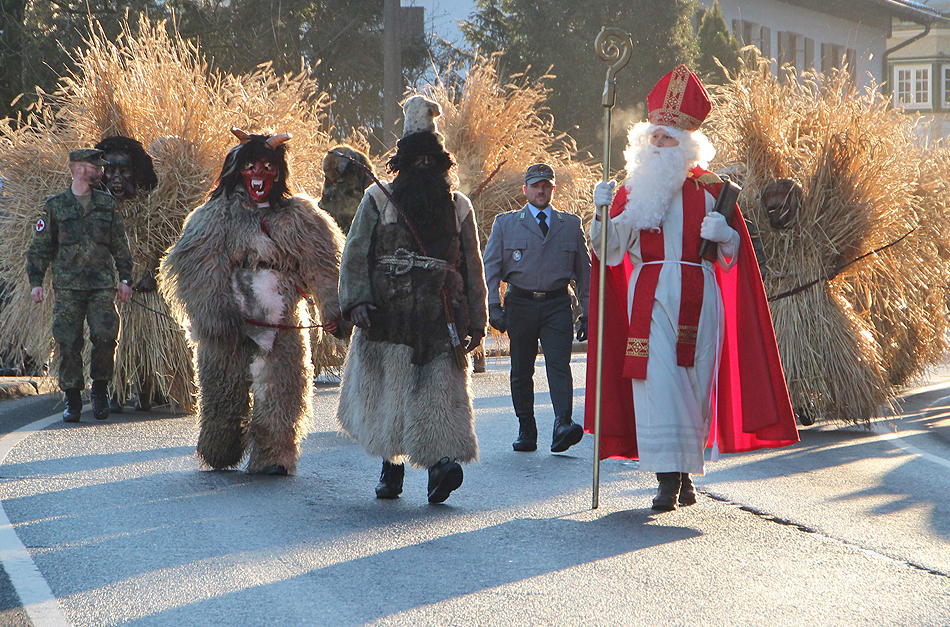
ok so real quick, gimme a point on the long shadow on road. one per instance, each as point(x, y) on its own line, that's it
point(389, 582)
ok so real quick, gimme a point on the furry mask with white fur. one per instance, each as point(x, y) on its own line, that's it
point(655, 175)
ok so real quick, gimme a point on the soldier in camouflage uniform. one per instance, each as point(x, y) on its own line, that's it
point(82, 237)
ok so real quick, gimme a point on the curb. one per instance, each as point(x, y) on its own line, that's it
point(18, 387)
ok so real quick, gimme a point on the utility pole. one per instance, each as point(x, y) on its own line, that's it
point(392, 70)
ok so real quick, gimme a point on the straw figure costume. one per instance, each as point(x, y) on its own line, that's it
point(240, 278)
point(853, 213)
point(688, 341)
point(130, 171)
point(412, 264)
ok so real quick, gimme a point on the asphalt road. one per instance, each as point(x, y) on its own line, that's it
point(13, 415)
point(849, 527)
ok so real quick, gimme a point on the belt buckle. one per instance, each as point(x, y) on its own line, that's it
point(538, 296)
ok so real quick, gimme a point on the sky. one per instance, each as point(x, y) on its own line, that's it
point(442, 16)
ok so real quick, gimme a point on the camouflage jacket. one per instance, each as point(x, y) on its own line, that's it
point(85, 248)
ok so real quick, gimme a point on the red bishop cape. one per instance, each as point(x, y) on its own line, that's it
point(754, 410)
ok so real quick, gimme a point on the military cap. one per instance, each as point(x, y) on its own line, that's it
point(90, 155)
point(538, 172)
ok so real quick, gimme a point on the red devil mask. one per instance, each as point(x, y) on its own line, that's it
point(259, 176)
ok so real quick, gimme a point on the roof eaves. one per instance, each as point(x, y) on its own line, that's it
point(913, 11)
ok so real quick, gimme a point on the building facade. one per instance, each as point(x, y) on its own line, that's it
point(919, 72)
point(824, 34)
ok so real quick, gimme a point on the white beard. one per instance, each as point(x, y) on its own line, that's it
point(655, 175)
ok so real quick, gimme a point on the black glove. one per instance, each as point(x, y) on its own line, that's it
point(343, 329)
point(582, 329)
point(146, 284)
point(475, 338)
point(496, 318)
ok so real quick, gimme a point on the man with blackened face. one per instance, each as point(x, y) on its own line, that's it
point(411, 281)
point(129, 169)
point(422, 188)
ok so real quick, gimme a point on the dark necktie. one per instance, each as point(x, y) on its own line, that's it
point(543, 223)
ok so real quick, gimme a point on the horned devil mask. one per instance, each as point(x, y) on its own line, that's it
point(260, 163)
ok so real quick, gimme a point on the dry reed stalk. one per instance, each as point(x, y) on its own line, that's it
point(155, 87)
point(848, 342)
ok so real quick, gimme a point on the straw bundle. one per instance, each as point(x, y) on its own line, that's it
point(872, 325)
point(158, 89)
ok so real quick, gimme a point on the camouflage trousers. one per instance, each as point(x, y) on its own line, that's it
point(97, 309)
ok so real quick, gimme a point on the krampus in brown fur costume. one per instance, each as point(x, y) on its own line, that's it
point(240, 276)
point(412, 245)
point(347, 173)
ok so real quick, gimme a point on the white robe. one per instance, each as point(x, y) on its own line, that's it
point(673, 404)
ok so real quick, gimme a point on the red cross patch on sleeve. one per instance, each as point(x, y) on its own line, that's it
point(40, 225)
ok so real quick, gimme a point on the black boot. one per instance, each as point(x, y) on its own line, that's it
point(687, 491)
point(144, 403)
point(665, 499)
point(567, 433)
point(527, 435)
point(390, 481)
point(73, 405)
point(444, 477)
point(100, 399)
point(115, 405)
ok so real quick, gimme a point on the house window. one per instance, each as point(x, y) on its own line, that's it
point(835, 57)
point(795, 50)
point(912, 86)
point(750, 33)
point(946, 87)
point(788, 43)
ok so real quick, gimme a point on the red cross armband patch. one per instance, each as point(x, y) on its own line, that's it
point(40, 225)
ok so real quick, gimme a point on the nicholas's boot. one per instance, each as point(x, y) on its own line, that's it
point(665, 499)
point(100, 399)
point(73, 405)
point(687, 491)
point(444, 477)
point(527, 435)
point(567, 433)
point(390, 481)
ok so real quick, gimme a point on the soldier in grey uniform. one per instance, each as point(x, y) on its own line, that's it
point(537, 251)
point(81, 237)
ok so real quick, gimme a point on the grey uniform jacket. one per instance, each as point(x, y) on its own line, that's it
point(518, 254)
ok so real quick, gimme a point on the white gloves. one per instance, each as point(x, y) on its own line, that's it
point(715, 229)
point(604, 193)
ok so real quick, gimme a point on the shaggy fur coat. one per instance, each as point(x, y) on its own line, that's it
point(236, 262)
point(397, 405)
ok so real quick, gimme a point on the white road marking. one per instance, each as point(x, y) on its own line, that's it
point(888, 430)
point(899, 442)
point(34, 592)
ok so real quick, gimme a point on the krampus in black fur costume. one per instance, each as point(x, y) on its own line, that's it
point(403, 395)
point(240, 276)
